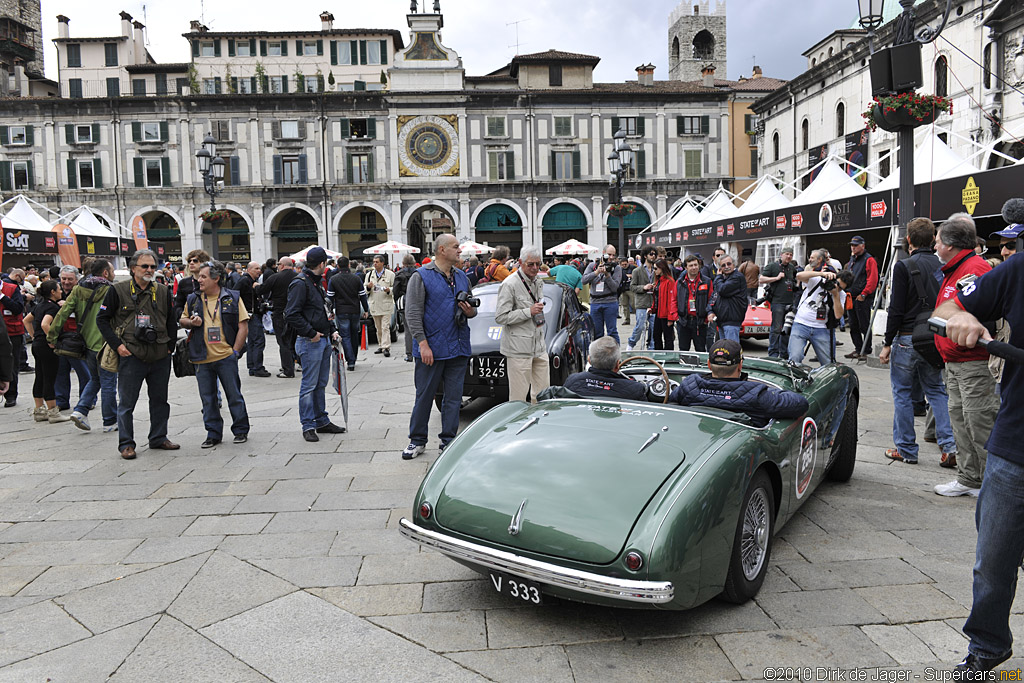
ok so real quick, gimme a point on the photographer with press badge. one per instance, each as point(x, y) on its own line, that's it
point(137, 320)
point(780, 276)
point(437, 305)
point(818, 311)
point(520, 309)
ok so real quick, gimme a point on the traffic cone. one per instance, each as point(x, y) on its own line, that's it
point(362, 340)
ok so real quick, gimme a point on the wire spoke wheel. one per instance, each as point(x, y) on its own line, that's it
point(754, 540)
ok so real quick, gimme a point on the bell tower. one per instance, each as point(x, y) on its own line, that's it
point(696, 38)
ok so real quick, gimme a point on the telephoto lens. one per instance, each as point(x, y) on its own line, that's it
point(787, 324)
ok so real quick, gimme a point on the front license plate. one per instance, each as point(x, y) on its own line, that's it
point(488, 367)
point(517, 588)
point(758, 329)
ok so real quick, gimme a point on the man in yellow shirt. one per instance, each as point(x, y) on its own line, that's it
point(218, 326)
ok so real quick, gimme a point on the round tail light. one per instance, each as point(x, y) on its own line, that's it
point(425, 510)
point(634, 561)
point(556, 362)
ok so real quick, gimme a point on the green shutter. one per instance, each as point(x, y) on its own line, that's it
point(334, 53)
point(231, 47)
point(31, 175)
point(195, 48)
point(705, 125)
point(641, 163)
point(216, 48)
point(275, 130)
point(554, 167)
point(284, 48)
point(30, 136)
point(383, 52)
point(362, 52)
point(576, 165)
point(5, 176)
point(140, 181)
point(359, 85)
point(164, 137)
point(136, 131)
point(371, 128)
point(69, 133)
point(319, 47)
point(615, 124)
point(165, 171)
point(252, 47)
point(369, 167)
point(278, 170)
point(510, 166)
point(217, 85)
point(346, 129)
point(252, 83)
point(266, 84)
point(95, 133)
point(263, 48)
point(284, 83)
point(640, 126)
point(97, 174)
point(234, 84)
point(679, 126)
point(298, 49)
point(351, 168)
point(4, 138)
point(320, 84)
point(236, 175)
point(492, 166)
point(72, 174)
point(353, 52)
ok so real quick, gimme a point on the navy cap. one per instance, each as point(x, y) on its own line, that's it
point(857, 239)
point(1011, 232)
point(315, 256)
point(725, 352)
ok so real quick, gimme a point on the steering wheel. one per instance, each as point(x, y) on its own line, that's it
point(661, 368)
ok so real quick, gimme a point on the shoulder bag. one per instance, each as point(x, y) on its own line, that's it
point(71, 343)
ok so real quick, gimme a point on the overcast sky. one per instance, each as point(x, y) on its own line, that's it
point(770, 33)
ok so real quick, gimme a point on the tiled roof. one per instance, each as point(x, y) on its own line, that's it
point(555, 56)
point(394, 33)
point(157, 68)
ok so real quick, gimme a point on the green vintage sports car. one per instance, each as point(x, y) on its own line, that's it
point(635, 503)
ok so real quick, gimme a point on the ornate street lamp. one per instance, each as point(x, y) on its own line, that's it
point(211, 168)
point(870, 13)
point(619, 161)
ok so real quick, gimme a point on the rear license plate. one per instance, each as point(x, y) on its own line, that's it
point(517, 588)
point(758, 329)
point(488, 367)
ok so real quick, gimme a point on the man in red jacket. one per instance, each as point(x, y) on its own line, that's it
point(973, 402)
point(862, 289)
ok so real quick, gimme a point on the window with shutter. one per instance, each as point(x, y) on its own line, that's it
point(688, 125)
point(496, 126)
point(139, 87)
point(360, 168)
point(563, 126)
point(555, 75)
point(74, 56)
point(110, 54)
point(86, 180)
point(113, 87)
point(692, 166)
point(20, 175)
point(235, 176)
point(161, 84)
point(75, 88)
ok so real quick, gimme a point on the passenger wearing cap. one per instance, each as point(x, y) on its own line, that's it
point(728, 389)
point(1008, 239)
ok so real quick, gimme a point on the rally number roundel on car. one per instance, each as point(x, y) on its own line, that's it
point(807, 456)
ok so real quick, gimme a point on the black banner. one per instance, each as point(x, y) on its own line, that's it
point(856, 152)
point(29, 242)
point(97, 246)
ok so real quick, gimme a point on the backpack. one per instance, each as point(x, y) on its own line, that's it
point(923, 338)
point(489, 272)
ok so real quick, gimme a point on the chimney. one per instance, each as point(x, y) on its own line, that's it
point(196, 27)
point(140, 42)
point(645, 75)
point(326, 21)
point(126, 25)
point(63, 31)
point(708, 74)
point(757, 73)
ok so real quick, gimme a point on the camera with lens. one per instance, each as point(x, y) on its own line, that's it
point(787, 323)
point(464, 298)
point(829, 285)
point(145, 332)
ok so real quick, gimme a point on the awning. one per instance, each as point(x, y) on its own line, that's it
point(832, 182)
point(21, 216)
point(933, 160)
point(86, 223)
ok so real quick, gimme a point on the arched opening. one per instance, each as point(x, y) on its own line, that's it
point(775, 146)
point(1012, 149)
point(293, 230)
point(563, 222)
point(499, 224)
point(840, 120)
point(704, 45)
point(427, 223)
point(805, 135)
point(232, 239)
point(941, 77)
point(161, 227)
point(831, 51)
point(675, 50)
point(632, 224)
point(360, 227)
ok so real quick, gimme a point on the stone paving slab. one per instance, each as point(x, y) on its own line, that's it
point(696, 658)
point(37, 628)
point(519, 665)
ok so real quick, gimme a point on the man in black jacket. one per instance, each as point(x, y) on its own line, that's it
point(345, 291)
point(306, 314)
point(692, 293)
point(275, 290)
point(187, 285)
point(603, 380)
point(402, 284)
point(249, 291)
point(729, 300)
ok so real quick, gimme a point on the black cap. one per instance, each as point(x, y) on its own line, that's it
point(857, 239)
point(725, 352)
point(315, 256)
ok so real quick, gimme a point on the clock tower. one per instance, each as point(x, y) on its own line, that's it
point(696, 38)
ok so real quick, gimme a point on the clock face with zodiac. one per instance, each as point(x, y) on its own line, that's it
point(428, 146)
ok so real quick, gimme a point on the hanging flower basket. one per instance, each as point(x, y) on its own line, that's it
point(215, 218)
point(620, 210)
point(905, 110)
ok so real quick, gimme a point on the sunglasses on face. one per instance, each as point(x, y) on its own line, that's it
point(146, 266)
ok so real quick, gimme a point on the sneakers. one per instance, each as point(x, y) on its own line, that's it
point(629, 347)
point(262, 372)
point(973, 663)
point(39, 414)
point(894, 454)
point(109, 428)
point(54, 416)
point(955, 488)
point(412, 450)
point(948, 460)
point(81, 421)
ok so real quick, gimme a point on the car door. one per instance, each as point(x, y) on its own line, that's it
point(581, 329)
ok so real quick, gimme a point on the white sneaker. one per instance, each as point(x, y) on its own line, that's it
point(412, 450)
point(109, 428)
point(629, 347)
point(955, 488)
point(80, 420)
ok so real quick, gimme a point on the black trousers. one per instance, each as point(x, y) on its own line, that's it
point(46, 370)
point(691, 330)
point(285, 343)
point(664, 337)
point(859, 322)
point(17, 352)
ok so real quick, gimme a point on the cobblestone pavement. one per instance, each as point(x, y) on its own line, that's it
point(280, 560)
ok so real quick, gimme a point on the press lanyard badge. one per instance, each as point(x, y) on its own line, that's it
point(693, 305)
point(213, 335)
point(599, 288)
point(142, 320)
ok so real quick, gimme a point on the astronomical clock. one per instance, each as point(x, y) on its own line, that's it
point(428, 146)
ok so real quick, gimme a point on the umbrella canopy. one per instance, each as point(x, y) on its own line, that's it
point(391, 247)
point(301, 255)
point(571, 247)
point(472, 248)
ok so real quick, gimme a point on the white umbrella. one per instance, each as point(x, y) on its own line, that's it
point(391, 247)
point(472, 248)
point(571, 247)
point(301, 255)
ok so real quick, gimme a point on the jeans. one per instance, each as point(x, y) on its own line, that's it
point(642, 319)
point(315, 358)
point(131, 372)
point(691, 329)
point(285, 343)
point(729, 332)
point(62, 387)
point(972, 411)
point(820, 338)
point(906, 365)
point(103, 382)
point(778, 343)
point(407, 335)
point(349, 327)
point(255, 343)
point(605, 313)
point(450, 374)
point(226, 371)
point(999, 517)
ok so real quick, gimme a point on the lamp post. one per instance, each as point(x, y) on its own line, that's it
point(211, 167)
point(619, 162)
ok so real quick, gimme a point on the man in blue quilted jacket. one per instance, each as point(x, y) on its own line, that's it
point(727, 389)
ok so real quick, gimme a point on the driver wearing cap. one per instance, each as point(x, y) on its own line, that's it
point(728, 389)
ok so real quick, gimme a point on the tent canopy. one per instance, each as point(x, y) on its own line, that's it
point(765, 197)
point(472, 248)
point(686, 214)
point(391, 247)
point(933, 160)
point(570, 247)
point(21, 216)
point(86, 223)
point(832, 183)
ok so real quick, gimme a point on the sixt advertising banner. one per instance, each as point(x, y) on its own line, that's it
point(29, 242)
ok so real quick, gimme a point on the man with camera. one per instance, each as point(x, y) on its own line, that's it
point(728, 300)
point(693, 292)
point(642, 286)
point(379, 283)
point(780, 276)
point(137, 320)
point(817, 314)
point(437, 305)
point(604, 278)
point(520, 308)
point(256, 340)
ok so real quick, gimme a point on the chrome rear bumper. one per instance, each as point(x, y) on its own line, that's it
point(649, 592)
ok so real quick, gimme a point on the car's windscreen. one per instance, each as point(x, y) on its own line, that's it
point(483, 326)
